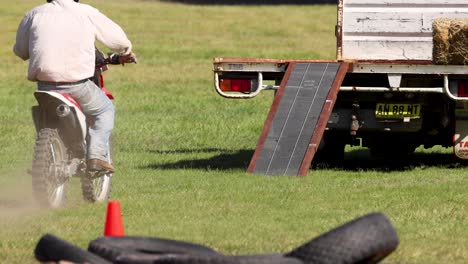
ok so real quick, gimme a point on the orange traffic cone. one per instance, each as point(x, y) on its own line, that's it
point(113, 225)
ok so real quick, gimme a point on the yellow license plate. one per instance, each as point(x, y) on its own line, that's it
point(397, 110)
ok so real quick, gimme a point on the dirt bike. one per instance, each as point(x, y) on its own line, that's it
point(60, 149)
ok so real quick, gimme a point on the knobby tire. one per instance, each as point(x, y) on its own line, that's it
point(97, 189)
point(49, 187)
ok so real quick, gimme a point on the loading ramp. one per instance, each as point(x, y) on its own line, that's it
point(297, 118)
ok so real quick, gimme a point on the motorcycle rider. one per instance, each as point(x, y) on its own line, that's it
point(59, 39)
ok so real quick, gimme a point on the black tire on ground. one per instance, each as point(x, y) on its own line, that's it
point(393, 148)
point(179, 259)
point(97, 189)
point(391, 152)
point(367, 239)
point(53, 249)
point(112, 248)
point(331, 156)
point(48, 181)
point(331, 151)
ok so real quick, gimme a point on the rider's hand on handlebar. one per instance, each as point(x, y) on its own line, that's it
point(130, 58)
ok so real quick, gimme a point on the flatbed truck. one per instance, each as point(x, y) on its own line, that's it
point(392, 97)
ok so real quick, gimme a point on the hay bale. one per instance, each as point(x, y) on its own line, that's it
point(450, 41)
point(440, 37)
point(459, 42)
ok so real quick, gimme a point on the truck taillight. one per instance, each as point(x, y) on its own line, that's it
point(236, 85)
point(463, 88)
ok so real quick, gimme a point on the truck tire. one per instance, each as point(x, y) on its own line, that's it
point(367, 239)
point(392, 147)
point(391, 152)
point(331, 152)
point(111, 248)
point(329, 156)
point(53, 249)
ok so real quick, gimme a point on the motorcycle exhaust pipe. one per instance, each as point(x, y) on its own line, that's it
point(63, 110)
point(69, 128)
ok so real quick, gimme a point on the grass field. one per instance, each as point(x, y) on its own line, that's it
point(181, 150)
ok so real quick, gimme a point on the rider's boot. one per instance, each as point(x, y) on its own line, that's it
point(96, 165)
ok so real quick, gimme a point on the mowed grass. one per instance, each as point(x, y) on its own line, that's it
point(181, 150)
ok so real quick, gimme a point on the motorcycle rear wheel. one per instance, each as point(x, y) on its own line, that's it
point(97, 189)
point(49, 181)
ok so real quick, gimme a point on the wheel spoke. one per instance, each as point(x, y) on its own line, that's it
point(52, 152)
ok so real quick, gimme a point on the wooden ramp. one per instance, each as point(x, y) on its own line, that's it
point(297, 119)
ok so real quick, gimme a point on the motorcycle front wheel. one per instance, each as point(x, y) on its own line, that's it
point(49, 181)
point(97, 189)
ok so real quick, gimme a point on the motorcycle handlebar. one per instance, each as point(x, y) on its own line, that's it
point(115, 59)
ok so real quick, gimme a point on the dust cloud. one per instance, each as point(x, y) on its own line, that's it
point(16, 199)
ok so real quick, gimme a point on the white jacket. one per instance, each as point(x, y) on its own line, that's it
point(59, 40)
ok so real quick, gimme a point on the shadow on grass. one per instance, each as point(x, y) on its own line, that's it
point(361, 160)
point(253, 2)
point(189, 151)
point(224, 161)
point(355, 160)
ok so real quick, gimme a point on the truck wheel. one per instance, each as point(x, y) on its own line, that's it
point(49, 181)
point(331, 154)
point(367, 239)
point(395, 151)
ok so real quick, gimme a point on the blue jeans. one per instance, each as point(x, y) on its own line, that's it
point(95, 104)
